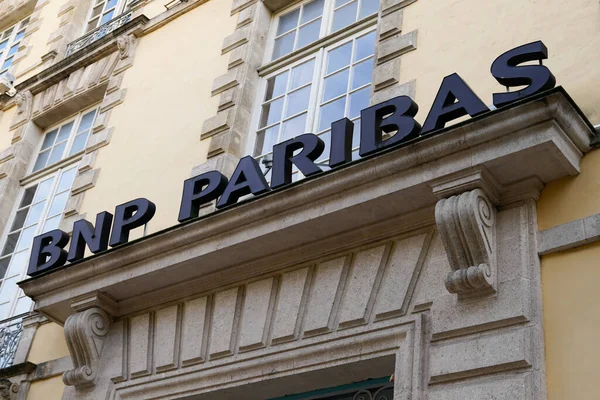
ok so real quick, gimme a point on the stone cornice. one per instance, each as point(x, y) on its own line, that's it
point(542, 137)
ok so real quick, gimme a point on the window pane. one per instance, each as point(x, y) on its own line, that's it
point(7, 33)
point(41, 161)
point(49, 139)
point(365, 46)
point(7, 63)
point(106, 17)
point(312, 10)
point(9, 289)
point(64, 132)
point(66, 180)
point(344, 16)
point(356, 134)
point(358, 101)
point(13, 50)
point(23, 305)
point(52, 223)
point(340, 2)
point(284, 45)
point(96, 11)
point(79, 143)
point(3, 45)
point(339, 57)
point(368, 7)
point(265, 140)
point(27, 235)
point(92, 24)
point(336, 85)
point(35, 212)
point(302, 74)
point(362, 73)
point(24, 23)
point(18, 263)
point(276, 86)
point(293, 127)
point(58, 204)
point(11, 243)
point(4, 309)
point(309, 33)
point(19, 220)
point(86, 121)
point(271, 112)
point(43, 190)
point(28, 196)
point(325, 137)
point(4, 266)
point(288, 21)
point(57, 153)
point(19, 35)
point(111, 4)
point(331, 112)
point(298, 101)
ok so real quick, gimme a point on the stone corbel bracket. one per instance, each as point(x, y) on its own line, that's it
point(466, 223)
point(85, 333)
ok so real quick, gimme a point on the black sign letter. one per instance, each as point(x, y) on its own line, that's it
point(48, 252)
point(85, 233)
point(310, 146)
point(247, 178)
point(128, 216)
point(341, 142)
point(200, 190)
point(396, 114)
point(506, 71)
point(453, 100)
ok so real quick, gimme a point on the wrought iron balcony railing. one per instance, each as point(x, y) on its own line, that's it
point(10, 334)
point(98, 33)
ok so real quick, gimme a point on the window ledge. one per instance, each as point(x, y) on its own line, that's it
point(34, 176)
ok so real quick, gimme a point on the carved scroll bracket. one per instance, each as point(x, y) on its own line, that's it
point(466, 222)
point(85, 333)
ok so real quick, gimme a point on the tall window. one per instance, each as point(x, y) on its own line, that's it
point(330, 83)
point(40, 207)
point(10, 40)
point(103, 11)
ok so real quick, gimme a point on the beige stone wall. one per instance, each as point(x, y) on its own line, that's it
point(156, 141)
point(5, 134)
point(465, 36)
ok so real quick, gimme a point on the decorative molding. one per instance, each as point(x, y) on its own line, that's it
point(8, 389)
point(467, 226)
point(125, 44)
point(570, 235)
point(85, 333)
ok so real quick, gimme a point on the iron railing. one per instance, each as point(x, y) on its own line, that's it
point(10, 334)
point(98, 33)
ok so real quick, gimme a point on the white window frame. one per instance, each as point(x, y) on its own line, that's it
point(76, 123)
point(326, 27)
point(286, 63)
point(12, 42)
point(119, 8)
point(55, 174)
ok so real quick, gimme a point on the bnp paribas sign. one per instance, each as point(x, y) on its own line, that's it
point(515, 68)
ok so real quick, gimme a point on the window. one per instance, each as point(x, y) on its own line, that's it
point(39, 210)
point(308, 95)
point(314, 19)
point(65, 140)
point(10, 40)
point(103, 11)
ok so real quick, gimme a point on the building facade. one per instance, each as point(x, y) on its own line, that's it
point(453, 258)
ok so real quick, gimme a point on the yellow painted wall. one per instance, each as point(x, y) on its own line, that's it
point(572, 322)
point(39, 41)
point(5, 135)
point(48, 344)
point(572, 198)
point(156, 142)
point(465, 36)
point(48, 389)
